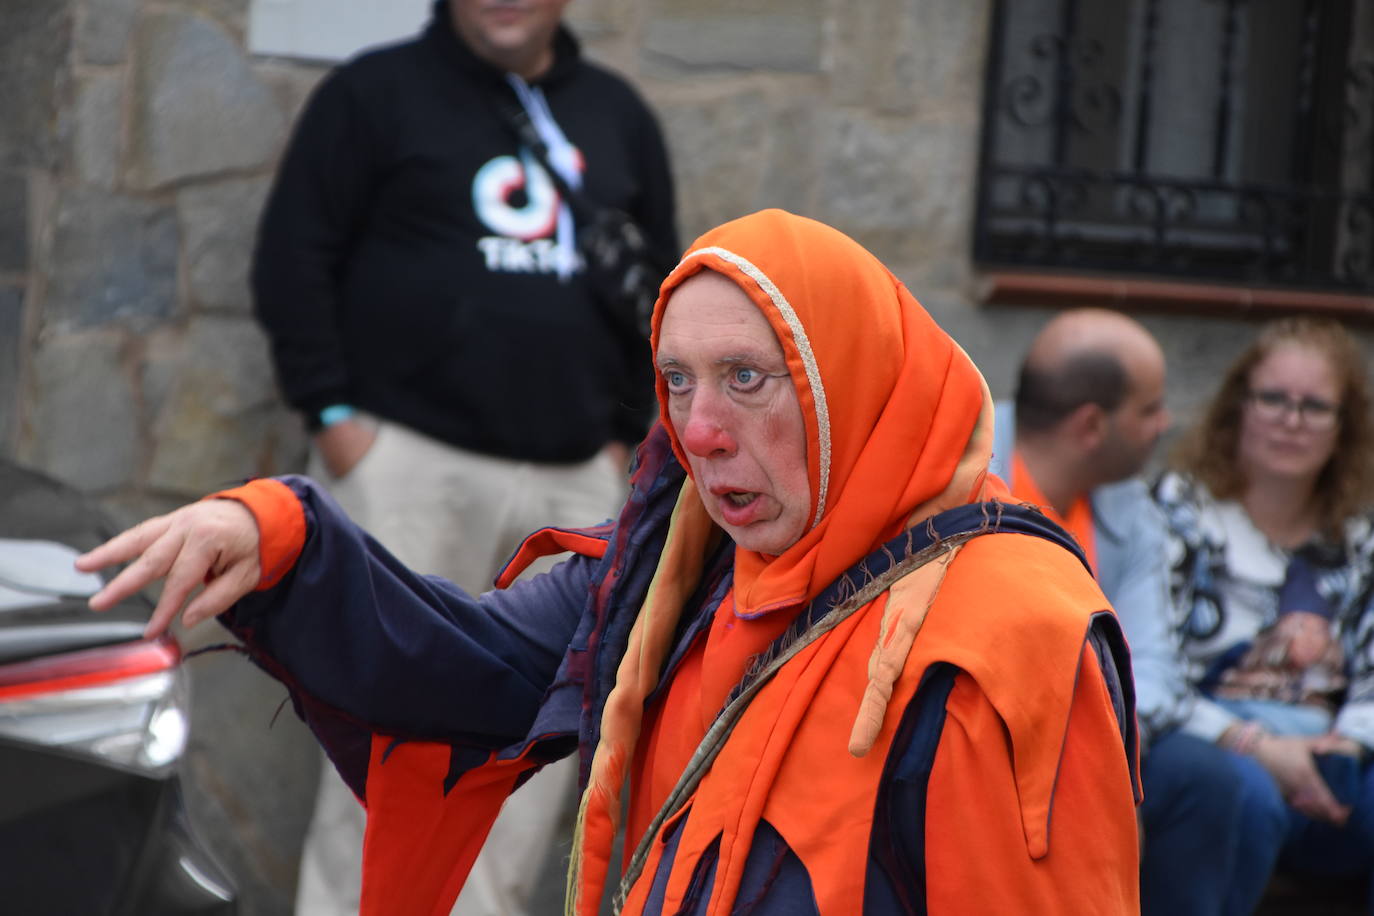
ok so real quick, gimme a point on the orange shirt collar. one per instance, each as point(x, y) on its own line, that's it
point(1077, 522)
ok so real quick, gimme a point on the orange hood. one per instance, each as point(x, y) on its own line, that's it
point(891, 402)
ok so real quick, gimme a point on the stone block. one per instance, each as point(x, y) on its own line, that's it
point(218, 225)
point(591, 20)
point(95, 130)
point(232, 14)
point(35, 37)
point(291, 83)
point(290, 444)
point(103, 30)
point(85, 421)
point(996, 338)
point(198, 107)
point(618, 53)
point(943, 67)
point(854, 37)
point(715, 181)
point(911, 56)
point(211, 394)
point(775, 35)
point(903, 189)
point(14, 220)
point(225, 355)
point(789, 178)
point(11, 351)
point(114, 258)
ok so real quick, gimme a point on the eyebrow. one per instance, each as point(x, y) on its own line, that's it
point(732, 360)
point(1299, 398)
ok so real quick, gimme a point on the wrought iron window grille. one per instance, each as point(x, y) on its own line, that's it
point(1218, 140)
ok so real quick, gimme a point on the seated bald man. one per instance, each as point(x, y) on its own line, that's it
point(827, 664)
point(1089, 409)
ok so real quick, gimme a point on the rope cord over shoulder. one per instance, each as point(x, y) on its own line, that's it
point(792, 644)
point(938, 538)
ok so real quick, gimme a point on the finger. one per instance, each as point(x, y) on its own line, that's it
point(1334, 743)
point(154, 563)
point(1318, 809)
point(1314, 799)
point(187, 573)
point(125, 545)
point(239, 556)
point(1321, 744)
point(220, 595)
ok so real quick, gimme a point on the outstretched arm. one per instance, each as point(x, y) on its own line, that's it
point(373, 653)
point(329, 611)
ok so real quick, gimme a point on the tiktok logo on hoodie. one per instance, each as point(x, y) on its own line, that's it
point(524, 239)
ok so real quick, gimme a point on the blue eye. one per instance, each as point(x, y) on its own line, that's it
point(675, 379)
point(747, 379)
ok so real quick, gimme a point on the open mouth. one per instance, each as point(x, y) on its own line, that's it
point(739, 498)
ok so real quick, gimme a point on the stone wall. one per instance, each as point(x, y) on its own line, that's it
point(138, 170)
point(138, 142)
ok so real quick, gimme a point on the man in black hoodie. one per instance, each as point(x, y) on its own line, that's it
point(417, 274)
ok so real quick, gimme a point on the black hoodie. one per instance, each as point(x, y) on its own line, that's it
point(403, 266)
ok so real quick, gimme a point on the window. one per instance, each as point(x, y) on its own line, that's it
point(1222, 140)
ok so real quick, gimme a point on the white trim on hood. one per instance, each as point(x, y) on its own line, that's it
point(808, 358)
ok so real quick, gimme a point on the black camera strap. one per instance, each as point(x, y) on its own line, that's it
point(622, 259)
point(584, 208)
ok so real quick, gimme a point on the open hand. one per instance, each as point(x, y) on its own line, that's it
point(1290, 761)
point(212, 543)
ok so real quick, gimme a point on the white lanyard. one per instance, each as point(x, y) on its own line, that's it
point(562, 156)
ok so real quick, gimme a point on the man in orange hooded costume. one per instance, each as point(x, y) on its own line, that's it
point(831, 670)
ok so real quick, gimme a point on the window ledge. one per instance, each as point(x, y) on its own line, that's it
point(1000, 287)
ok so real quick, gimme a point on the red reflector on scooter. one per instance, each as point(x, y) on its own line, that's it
point(88, 667)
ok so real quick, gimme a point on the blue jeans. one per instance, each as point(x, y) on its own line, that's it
point(1212, 832)
point(1315, 848)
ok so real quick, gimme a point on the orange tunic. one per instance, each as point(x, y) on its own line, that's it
point(1029, 806)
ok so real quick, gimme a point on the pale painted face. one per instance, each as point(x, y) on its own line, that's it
point(736, 414)
point(1287, 444)
point(515, 35)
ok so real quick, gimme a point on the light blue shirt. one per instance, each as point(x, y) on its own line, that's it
point(1133, 572)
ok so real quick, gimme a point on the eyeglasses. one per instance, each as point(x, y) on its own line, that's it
point(1273, 406)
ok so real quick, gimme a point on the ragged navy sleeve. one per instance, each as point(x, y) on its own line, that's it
point(404, 654)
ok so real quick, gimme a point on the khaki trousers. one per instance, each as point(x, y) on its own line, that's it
point(461, 515)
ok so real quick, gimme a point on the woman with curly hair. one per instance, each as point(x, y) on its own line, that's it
point(1272, 551)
